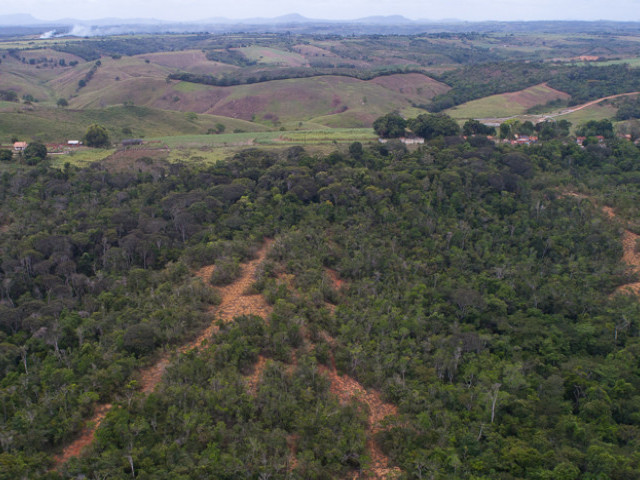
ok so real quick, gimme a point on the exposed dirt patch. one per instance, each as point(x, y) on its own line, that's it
point(336, 282)
point(629, 240)
point(292, 443)
point(234, 302)
point(86, 436)
point(609, 211)
point(346, 389)
point(253, 380)
point(632, 258)
point(331, 307)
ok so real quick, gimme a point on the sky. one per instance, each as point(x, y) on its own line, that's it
point(192, 10)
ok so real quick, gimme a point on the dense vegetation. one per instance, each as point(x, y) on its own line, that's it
point(592, 82)
point(629, 109)
point(583, 83)
point(478, 301)
point(260, 75)
point(480, 80)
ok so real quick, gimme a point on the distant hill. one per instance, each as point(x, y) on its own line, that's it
point(296, 23)
point(19, 19)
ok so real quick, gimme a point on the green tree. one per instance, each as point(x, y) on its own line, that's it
point(97, 136)
point(6, 155)
point(390, 125)
point(430, 126)
point(62, 102)
point(355, 150)
point(34, 153)
point(474, 127)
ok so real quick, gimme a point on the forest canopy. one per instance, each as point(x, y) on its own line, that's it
point(478, 298)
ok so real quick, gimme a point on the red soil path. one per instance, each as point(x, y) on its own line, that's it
point(346, 389)
point(630, 256)
point(336, 281)
point(234, 302)
point(253, 379)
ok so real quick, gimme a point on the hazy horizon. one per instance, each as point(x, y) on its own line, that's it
point(195, 10)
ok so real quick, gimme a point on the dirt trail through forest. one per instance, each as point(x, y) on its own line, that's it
point(346, 388)
point(630, 256)
point(629, 239)
point(234, 302)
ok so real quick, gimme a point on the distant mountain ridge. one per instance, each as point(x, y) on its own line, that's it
point(17, 24)
point(23, 19)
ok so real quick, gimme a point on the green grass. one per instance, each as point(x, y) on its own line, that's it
point(187, 87)
point(506, 104)
point(80, 158)
point(246, 140)
point(59, 125)
point(594, 112)
point(273, 56)
point(633, 62)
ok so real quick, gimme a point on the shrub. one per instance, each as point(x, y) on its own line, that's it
point(226, 271)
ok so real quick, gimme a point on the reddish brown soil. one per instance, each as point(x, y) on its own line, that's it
point(234, 302)
point(336, 282)
point(253, 379)
point(292, 443)
point(631, 258)
point(629, 239)
point(346, 389)
point(86, 436)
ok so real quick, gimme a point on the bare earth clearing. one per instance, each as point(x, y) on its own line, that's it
point(630, 256)
point(234, 302)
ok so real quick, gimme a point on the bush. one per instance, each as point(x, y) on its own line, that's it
point(34, 153)
point(140, 339)
point(226, 271)
point(97, 136)
point(6, 155)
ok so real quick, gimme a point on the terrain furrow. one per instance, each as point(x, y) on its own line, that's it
point(234, 302)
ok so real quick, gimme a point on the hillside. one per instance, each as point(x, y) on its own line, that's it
point(507, 104)
point(50, 124)
point(460, 295)
point(266, 289)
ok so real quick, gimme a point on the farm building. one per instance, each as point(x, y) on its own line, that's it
point(19, 146)
point(406, 141)
point(131, 142)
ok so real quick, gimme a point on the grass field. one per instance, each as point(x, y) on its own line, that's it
point(273, 56)
point(141, 80)
point(313, 137)
point(507, 104)
point(633, 62)
point(58, 125)
point(81, 158)
point(599, 111)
